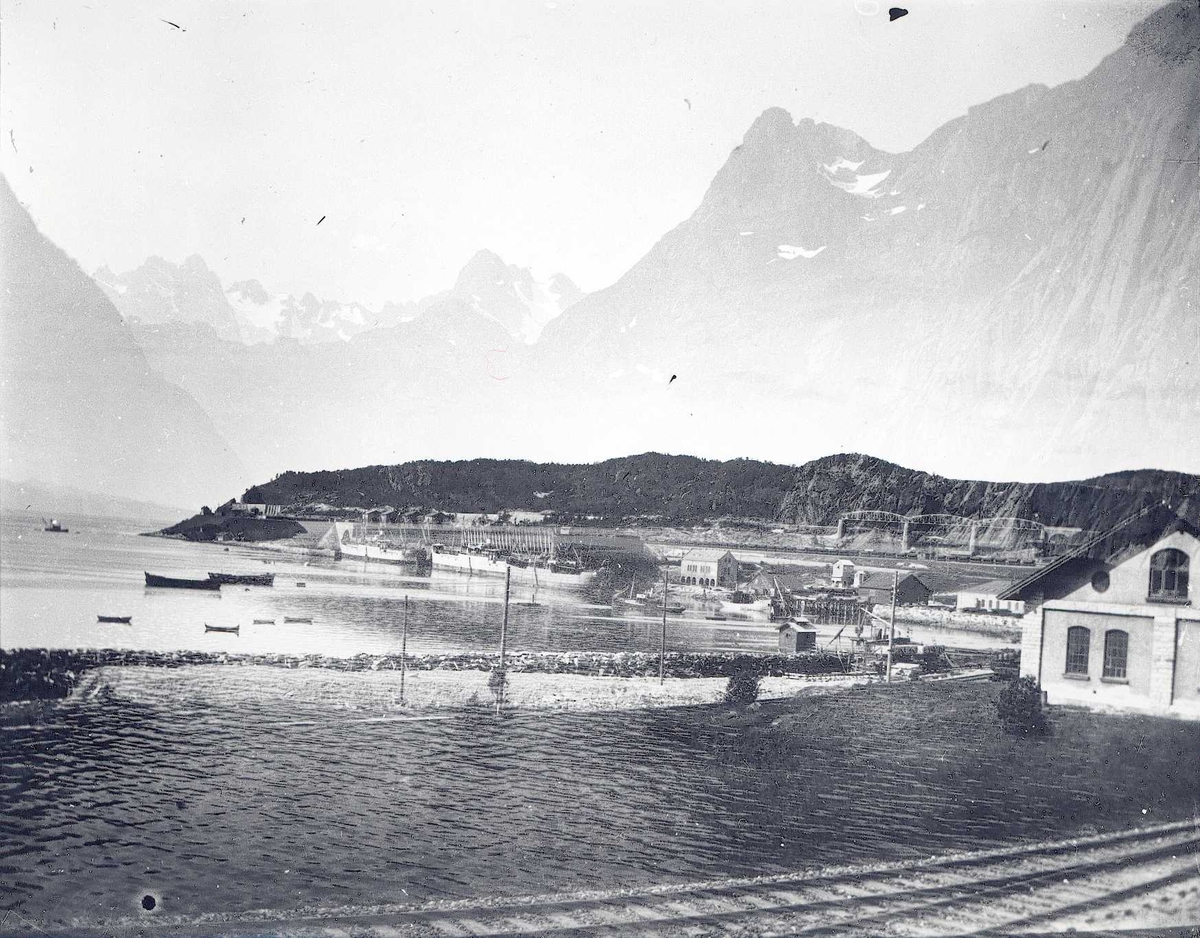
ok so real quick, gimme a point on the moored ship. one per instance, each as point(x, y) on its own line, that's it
point(354, 543)
point(536, 571)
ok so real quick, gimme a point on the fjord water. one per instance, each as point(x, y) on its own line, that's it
point(218, 801)
point(53, 586)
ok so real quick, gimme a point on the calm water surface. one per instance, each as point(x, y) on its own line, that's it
point(52, 587)
point(227, 804)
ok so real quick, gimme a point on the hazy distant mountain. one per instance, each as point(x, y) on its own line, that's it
point(267, 316)
point(1017, 292)
point(510, 295)
point(684, 488)
point(68, 503)
point(81, 405)
point(160, 291)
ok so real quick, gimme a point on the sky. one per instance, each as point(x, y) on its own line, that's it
point(565, 136)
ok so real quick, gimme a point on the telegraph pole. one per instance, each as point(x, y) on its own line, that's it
point(662, 645)
point(892, 624)
point(403, 650)
point(504, 625)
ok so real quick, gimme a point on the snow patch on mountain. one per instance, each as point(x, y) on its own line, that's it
point(790, 252)
point(863, 185)
point(842, 163)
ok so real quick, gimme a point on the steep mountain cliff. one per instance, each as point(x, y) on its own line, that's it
point(81, 406)
point(1021, 283)
point(825, 488)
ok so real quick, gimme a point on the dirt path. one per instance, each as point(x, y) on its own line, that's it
point(1143, 878)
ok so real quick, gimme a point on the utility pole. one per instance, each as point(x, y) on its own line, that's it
point(404, 650)
point(892, 624)
point(504, 625)
point(662, 645)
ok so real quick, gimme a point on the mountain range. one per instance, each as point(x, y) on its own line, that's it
point(160, 293)
point(82, 408)
point(1015, 296)
point(684, 488)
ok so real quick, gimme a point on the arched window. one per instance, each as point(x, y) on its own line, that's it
point(1169, 575)
point(1116, 653)
point(1079, 644)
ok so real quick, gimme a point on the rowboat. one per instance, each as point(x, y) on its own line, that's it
point(301, 583)
point(264, 621)
point(244, 579)
point(221, 628)
point(124, 620)
point(170, 582)
point(297, 619)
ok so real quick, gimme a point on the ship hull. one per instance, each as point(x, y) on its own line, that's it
point(170, 582)
point(482, 565)
point(376, 554)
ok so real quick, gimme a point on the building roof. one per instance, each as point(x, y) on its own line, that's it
point(883, 581)
point(705, 554)
point(987, 588)
point(1122, 540)
point(789, 581)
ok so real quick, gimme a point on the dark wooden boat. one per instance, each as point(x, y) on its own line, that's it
point(264, 621)
point(301, 583)
point(221, 628)
point(124, 620)
point(53, 527)
point(297, 619)
point(244, 579)
point(170, 582)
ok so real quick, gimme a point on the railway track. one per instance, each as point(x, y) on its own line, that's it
point(1099, 881)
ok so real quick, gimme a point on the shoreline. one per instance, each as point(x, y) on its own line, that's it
point(375, 696)
point(45, 674)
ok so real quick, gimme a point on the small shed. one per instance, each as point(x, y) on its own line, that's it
point(876, 587)
point(796, 635)
point(842, 574)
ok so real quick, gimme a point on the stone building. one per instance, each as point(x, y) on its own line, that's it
point(1112, 625)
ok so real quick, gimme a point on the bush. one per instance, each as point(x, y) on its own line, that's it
point(498, 683)
point(742, 687)
point(1019, 708)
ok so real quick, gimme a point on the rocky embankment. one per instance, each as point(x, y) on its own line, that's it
point(43, 674)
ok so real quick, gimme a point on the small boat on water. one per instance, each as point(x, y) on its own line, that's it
point(630, 600)
point(244, 579)
point(222, 628)
point(53, 527)
point(717, 617)
point(171, 582)
point(123, 620)
point(297, 619)
point(264, 621)
point(301, 583)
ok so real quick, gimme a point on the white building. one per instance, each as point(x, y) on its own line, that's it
point(709, 568)
point(842, 575)
point(1114, 625)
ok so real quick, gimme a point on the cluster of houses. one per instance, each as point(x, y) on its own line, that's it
point(1111, 625)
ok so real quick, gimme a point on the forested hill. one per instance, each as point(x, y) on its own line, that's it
point(675, 487)
point(680, 488)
